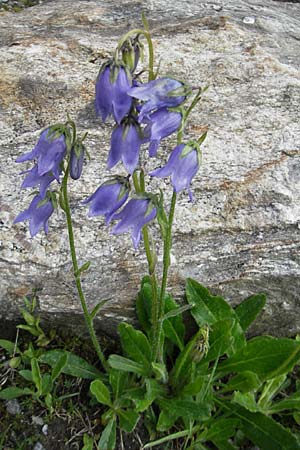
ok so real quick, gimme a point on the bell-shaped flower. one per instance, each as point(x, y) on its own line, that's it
point(182, 165)
point(108, 198)
point(159, 93)
point(112, 85)
point(38, 214)
point(126, 140)
point(161, 124)
point(136, 213)
point(34, 179)
point(49, 152)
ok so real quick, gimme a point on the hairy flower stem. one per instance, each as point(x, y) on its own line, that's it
point(166, 264)
point(140, 187)
point(89, 321)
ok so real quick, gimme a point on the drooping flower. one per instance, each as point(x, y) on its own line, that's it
point(161, 124)
point(159, 93)
point(49, 152)
point(135, 214)
point(34, 179)
point(182, 165)
point(126, 140)
point(112, 85)
point(108, 198)
point(38, 213)
point(76, 160)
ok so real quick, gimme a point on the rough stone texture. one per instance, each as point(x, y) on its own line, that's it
point(241, 236)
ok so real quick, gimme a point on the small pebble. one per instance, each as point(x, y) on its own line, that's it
point(13, 407)
point(36, 420)
point(45, 429)
point(38, 446)
point(249, 20)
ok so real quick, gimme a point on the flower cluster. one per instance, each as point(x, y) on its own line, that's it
point(144, 113)
point(52, 149)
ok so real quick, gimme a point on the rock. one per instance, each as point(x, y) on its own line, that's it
point(241, 235)
point(13, 407)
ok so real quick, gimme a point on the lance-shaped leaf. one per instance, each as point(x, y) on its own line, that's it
point(248, 310)
point(101, 392)
point(135, 344)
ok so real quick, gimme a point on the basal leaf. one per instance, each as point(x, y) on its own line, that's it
point(248, 309)
point(101, 392)
point(14, 392)
point(173, 327)
point(59, 366)
point(221, 429)
point(135, 344)
point(261, 429)
point(128, 419)
point(219, 339)
point(36, 375)
point(243, 382)
point(185, 408)
point(266, 356)
point(108, 436)
point(75, 365)
point(127, 365)
point(291, 402)
point(118, 380)
point(270, 389)
point(9, 346)
point(209, 309)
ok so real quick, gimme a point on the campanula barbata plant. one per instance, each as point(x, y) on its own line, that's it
point(208, 389)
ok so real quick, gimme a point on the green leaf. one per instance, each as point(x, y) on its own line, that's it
point(143, 304)
point(221, 429)
point(135, 344)
point(291, 402)
point(101, 392)
point(75, 366)
point(26, 374)
point(88, 442)
point(243, 382)
point(59, 366)
point(32, 330)
point(97, 308)
point(47, 384)
point(270, 389)
point(127, 365)
point(185, 408)
point(83, 268)
point(14, 392)
point(166, 420)
point(246, 400)
point(248, 309)
point(209, 309)
point(173, 325)
point(160, 372)
point(9, 346)
point(36, 375)
point(219, 339)
point(118, 380)
point(266, 356)
point(261, 429)
point(108, 436)
point(128, 419)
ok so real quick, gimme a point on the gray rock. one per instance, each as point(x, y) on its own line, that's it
point(13, 407)
point(241, 235)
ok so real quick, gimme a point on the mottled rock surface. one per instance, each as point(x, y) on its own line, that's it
point(241, 235)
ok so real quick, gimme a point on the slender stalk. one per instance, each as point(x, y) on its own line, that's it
point(89, 321)
point(139, 186)
point(166, 265)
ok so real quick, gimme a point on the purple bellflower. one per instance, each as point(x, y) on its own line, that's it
point(136, 214)
point(38, 213)
point(161, 124)
point(49, 152)
point(34, 179)
point(112, 85)
point(182, 165)
point(108, 198)
point(159, 93)
point(126, 140)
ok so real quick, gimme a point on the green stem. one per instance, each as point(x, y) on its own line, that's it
point(89, 321)
point(166, 265)
point(139, 186)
